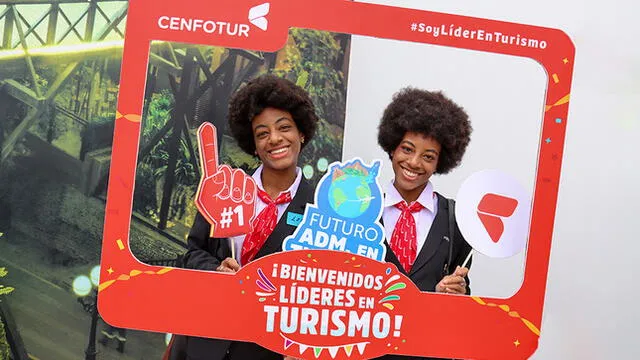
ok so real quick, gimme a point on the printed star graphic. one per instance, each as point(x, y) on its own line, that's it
point(110, 270)
point(516, 343)
point(565, 60)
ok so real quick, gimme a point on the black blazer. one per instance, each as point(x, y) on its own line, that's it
point(206, 253)
point(427, 270)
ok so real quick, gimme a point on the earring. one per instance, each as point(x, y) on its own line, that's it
point(302, 141)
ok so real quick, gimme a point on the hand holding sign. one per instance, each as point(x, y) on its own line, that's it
point(225, 196)
point(454, 283)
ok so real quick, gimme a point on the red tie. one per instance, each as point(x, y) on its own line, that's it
point(262, 226)
point(403, 239)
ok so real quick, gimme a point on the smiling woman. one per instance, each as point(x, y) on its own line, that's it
point(424, 133)
point(278, 141)
point(273, 119)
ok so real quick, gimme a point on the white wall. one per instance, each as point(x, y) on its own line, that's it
point(589, 307)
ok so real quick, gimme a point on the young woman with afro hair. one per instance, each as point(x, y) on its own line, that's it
point(272, 119)
point(424, 133)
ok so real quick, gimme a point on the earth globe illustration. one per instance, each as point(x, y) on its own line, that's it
point(349, 192)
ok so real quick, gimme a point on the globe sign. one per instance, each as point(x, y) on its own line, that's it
point(349, 194)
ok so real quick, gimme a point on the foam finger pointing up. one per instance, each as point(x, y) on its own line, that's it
point(208, 146)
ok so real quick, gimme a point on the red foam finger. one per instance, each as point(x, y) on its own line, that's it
point(237, 185)
point(208, 146)
point(249, 190)
point(224, 175)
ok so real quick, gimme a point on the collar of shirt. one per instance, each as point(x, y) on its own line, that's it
point(392, 197)
point(257, 176)
point(237, 241)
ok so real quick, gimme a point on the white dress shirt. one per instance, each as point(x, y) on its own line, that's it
point(423, 218)
point(260, 205)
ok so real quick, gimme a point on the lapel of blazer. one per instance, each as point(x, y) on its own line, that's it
point(439, 229)
point(303, 196)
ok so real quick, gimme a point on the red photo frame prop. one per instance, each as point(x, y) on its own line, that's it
point(139, 296)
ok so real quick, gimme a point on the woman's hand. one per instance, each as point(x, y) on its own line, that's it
point(454, 283)
point(228, 265)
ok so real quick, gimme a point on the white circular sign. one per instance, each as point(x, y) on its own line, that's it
point(493, 212)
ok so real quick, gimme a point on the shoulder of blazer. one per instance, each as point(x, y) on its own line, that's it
point(459, 238)
point(442, 200)
point(306, 190)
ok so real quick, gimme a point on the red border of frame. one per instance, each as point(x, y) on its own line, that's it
point(136, 295)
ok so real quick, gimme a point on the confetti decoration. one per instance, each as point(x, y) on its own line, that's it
point(120, 244)
point(534, 329)
point(555, 78)
point(131, 117)
point(287, 343)
point(266, 280)
point(394, 287)
point(105, 285)
point(392, 279)
point(389, 298)
point(333, 351)
point(262, 285)
point(348, 349)
point(133, 273)
point(317, 349)
point(562, 101)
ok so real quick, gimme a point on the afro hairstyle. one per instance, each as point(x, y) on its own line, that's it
point(431, 114)
point(269, 91)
